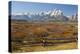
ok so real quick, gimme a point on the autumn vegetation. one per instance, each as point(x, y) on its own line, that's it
point(26, 37)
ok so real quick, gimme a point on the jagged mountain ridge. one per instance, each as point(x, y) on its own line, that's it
point(55, 15)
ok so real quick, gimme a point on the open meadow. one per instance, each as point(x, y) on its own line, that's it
point(31, 37)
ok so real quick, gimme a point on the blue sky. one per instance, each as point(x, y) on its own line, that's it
point(23, 7)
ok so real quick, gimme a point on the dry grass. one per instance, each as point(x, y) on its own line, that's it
point(64, 46)
point(21, 32)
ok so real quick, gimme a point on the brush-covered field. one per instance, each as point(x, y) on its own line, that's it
point(31, 37)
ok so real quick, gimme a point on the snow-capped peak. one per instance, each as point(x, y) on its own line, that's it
point(56, 12)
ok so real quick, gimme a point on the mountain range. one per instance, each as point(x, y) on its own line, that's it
point(48, 16)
